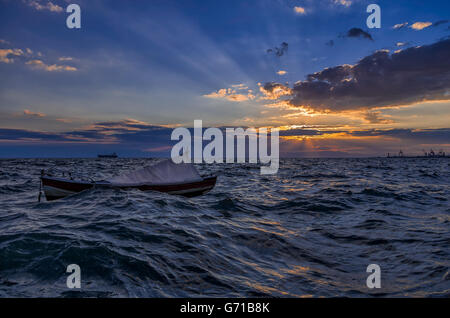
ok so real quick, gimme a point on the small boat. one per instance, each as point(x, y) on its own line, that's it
point(111, 155)
point(166, 176)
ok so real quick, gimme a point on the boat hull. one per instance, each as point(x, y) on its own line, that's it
point(57, 188)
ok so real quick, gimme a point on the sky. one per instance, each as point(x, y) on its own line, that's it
point(137, 69)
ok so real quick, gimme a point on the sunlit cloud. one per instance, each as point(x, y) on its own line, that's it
point(420, 25)
point(400, 25)
point(379, 80)
point(291, 111)
point(345, 3)
point(158, 149)
point(281, 72)
point(126, 125)
point(7, 56)
point(272, 91)
point(239, 86)
point(65, 58)
point(38, 64)
point(5, 53)
point(237, 93)
point(42, 5)
point(64, 120)
point(299, 10)
point(281, 104)
point(27, 112)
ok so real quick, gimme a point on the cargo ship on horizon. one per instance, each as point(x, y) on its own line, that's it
point(111, 155)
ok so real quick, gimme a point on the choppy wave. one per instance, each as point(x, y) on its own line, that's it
point(310, 230)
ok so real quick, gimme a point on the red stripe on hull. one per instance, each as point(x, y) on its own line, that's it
point(66, 185)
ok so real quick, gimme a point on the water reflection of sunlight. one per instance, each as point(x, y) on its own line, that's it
point(282, 231)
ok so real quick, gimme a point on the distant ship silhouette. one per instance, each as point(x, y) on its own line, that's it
point(111, 155)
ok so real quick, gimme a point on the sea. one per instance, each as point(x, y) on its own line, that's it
point(311, 230)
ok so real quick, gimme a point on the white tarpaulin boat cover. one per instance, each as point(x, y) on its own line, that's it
point(160, 173)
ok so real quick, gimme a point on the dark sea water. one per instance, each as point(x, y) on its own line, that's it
point(310, 230)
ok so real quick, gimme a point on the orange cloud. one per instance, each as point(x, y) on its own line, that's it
point(420, 25)
point(299, 10)
point(232, 94)
point(50, 6)
point(27, 112)
point(4, 53)
point(272, 91)
point(38, 64)
point(345, 3)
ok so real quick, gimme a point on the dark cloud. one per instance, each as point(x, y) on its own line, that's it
point(437, 23)
point(125, 124)
point(100, 132)
point(425, 136)
point(330, 43)
point(70, 136)
point(376, 118)
point(19, 134)
point(358, 33)
point(273, 86)
point(279, 51)
point(378, 80)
